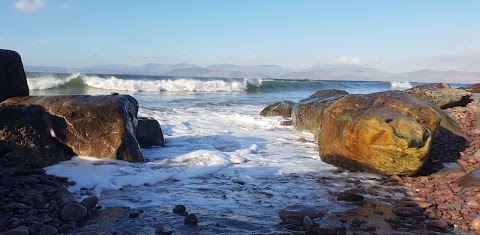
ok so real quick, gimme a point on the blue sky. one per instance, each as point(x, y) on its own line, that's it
point(395, 36)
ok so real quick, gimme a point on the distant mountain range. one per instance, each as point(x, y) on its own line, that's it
point(318, 72)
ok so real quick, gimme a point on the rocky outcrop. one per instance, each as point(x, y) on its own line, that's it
point(443, 98)
point(433, 86)
point(307, 114)
point(474, 88)
point(282, 108)
point(13, 81)
point(386, 133)
point(25, 136)
point(96, 126)
point(149, 132)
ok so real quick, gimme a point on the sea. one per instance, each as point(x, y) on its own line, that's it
point(227, 164)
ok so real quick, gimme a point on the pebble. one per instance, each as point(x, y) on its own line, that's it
point(74, 211)
point(134, 215)
point(48, 230)
point(90, 202)
point(437, 224)
point(180, 209)
point(297, 212)
point(406, 211)
point(475, 224)
point(22, 230)
point(349, 197)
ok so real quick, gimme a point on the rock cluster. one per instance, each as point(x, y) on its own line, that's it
point(32, 202)
point(443, 98)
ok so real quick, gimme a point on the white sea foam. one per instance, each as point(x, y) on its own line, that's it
point(47, 81)
point(176, 85)
point(400, 85)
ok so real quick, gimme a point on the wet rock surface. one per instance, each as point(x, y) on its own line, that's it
point(13, 81)
point(282, 108)
point(149, 133)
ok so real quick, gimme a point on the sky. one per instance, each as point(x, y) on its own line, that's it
point(395, 36)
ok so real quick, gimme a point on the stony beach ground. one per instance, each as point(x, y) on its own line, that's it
point(434, 202)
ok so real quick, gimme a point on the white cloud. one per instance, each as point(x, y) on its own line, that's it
point(248, 58)
point(65, 5)
point(29, 5)
point(347, 60)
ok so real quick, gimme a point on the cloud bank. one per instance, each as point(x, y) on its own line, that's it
point(29, 5)
point(347, 60)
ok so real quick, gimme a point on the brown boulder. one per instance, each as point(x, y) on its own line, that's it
point(13, 81)
point(386, 133)
point(25, 136)
point(149, 132)
point(95, 126)
point(474, 88)
point(443, 98)
point(433, 86)
point(282, 108)
point(308, 113)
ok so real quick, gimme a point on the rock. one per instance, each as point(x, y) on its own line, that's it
point(48, 230)
point(65, 197)
point(443, 98)
point(297, 212)
point(433, 86)
point(385, 133)
point(475, 224)
point(149, 132)
point(25, 136)
point(13, 81)
point(283, 109)
point(349, 197)
point(470, 180)
point(180, 209)
point(134, 215)
point(308, 113)
point(22, 230)
point(447, 124)
point(474, 88)
point(96, 126)
point(191, 219)
point(307, 223)
point(406, 211)
point(159, 230)
point(90, 202)
point(74, 211)
point(477, 121)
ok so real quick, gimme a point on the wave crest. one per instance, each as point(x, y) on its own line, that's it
point(400, 85)
point(47, 81)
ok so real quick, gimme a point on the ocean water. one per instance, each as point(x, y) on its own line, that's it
point(220, 155)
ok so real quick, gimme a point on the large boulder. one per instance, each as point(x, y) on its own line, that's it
point(282, 108)
point(25, 136)
point(13, 81)
point(307, 114)
point(95, 126)
point(149, 132)
point(386, 133)
point(443, 98)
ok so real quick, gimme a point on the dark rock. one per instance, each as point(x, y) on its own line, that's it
point(179, 209)
point(297, 212)
point(349, 197)
point(307, 223)
point(283, 109)
point(406, 211)
point(191, 219)
point(48, 230)
point(90, 202)
point(470, 180)
point(65, 197)
point(22, 230)
point(437, 224)
point(13, 81)
point(308, 113)
point(159, 230)
point(385, 133)
point(149, 132)
point(134, 215)
point(74, 211)
point(98, 126)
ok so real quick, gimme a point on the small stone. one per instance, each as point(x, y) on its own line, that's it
point(159, 230)
point(406, 211)
point(90, 202)
point(22, 230)
point(180, 209)
point(349, 197)
point(134, 215)
point(191, 219)
point(437, 224)
point(297, 212)
point(475, 224)
point(48, 230)
point(74, 211)
point(406, 204)
point(307, 223)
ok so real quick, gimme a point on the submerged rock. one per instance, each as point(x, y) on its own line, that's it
point(96, 126)
point(283, 109)
point(308, 113)
point(386, 133)
point(297, 212)
point(13, 81)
